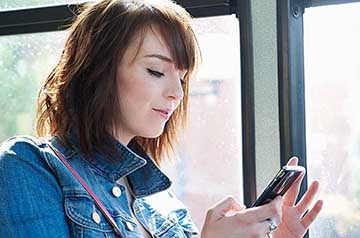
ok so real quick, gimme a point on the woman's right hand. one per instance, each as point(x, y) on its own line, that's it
point(229, 219)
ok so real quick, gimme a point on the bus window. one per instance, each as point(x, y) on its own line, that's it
point(332, 79)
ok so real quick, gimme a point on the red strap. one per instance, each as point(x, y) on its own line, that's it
point(99, 204)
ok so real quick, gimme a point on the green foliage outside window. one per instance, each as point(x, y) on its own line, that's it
point(25, 61)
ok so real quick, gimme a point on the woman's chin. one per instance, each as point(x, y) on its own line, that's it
point(153, 134)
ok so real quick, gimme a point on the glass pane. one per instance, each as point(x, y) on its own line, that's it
point(25, 61)
point(210, 149)
point(14, 4)
point(332, 70)
point(210, 155)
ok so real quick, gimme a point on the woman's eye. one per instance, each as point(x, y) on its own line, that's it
point(155, 73)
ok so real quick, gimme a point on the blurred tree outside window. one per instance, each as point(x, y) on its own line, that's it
point(25, 61)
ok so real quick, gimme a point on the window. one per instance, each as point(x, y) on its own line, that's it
point(12, 4)
point(210, 149)
point(25, 61)
point(332, 79)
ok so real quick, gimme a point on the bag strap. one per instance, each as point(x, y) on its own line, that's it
point(98, 203)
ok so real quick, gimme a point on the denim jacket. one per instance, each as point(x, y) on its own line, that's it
point(39, 197)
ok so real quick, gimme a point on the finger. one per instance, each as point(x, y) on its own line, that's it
point(293, 192)
point(261, 213)
point(226, 205)
point(312, 214)
point(308, 197)
point(293, 161)
point(291, 195)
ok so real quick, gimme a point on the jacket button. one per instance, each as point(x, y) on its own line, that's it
point(96, 217)
point(116, 191)
point(129, 226)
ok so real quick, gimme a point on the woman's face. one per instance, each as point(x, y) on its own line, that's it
point(149, 88)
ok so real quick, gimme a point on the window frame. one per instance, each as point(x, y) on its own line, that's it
point(57, 17)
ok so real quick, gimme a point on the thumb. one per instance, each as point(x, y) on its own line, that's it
point(293, 161)
point(225, 206)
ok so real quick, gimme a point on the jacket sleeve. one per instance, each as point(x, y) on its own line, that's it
point(31, 201)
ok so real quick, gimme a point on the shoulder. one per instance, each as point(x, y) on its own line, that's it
point(19, 150)
point(28, 158)
point(19, 145)
point(28, 190)
point(24, 166)
point(22, 156)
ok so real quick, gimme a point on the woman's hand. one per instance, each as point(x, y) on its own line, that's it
point(294, 223)
point(229, 219)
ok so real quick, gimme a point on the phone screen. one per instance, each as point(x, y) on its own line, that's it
point(282, 181)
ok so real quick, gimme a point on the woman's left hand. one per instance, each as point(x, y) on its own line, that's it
point(294, 223)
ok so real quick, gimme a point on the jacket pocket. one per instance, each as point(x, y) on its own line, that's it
point(85, 220)
point(80, 209)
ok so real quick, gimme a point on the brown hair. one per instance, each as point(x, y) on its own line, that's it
point(80, 92)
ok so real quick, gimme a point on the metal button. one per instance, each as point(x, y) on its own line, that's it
point(129, 226)
point(96, 217)
point(116, 191)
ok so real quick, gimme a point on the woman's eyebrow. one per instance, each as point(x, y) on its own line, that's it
point(161, 57)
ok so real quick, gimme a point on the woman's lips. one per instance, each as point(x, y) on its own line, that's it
point(165, 114)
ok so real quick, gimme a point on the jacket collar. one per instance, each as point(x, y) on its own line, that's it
point(144, 176)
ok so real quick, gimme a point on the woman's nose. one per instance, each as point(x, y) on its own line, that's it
point(175, 90)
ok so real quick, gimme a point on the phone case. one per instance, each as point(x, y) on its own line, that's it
point(282, 181)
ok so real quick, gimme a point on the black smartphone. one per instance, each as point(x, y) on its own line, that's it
point(282, 181)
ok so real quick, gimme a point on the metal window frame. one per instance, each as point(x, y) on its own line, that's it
point(58, 17)
point(291, 77)
point(291, 80)
point(243, 13)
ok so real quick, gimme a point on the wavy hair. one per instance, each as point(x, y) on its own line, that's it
point(80, 93)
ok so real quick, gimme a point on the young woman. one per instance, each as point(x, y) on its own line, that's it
point(111, 109)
